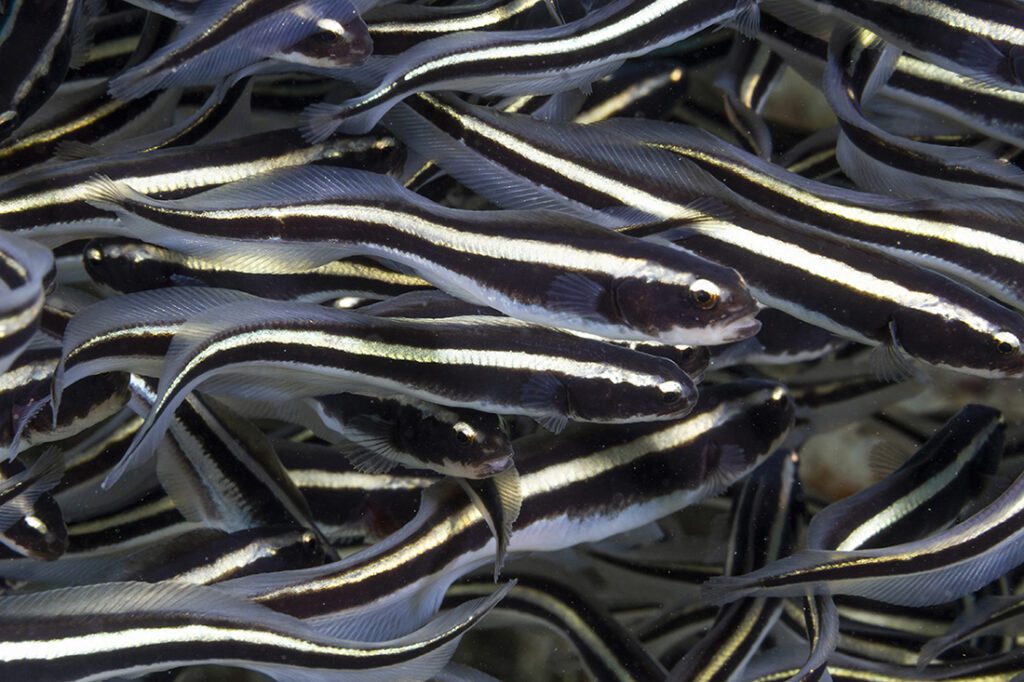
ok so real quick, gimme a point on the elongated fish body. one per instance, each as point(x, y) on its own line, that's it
point(978, 247)
point(18, 493)
point(989, 615)
point(888, 299)
point(491, 364)
point(607, 649)
point(538, 267)
point(81, 111)
point(914, 82)
point(582, 486)
point(35, 47)
point(127, 265)
point(881, 162)
point(114, 629)
point(397, 28)
point(224, 36)
point(434, 304)
point(46, 204)
point(764, 529)
point(933, 570)
point(982, 40)
point(352, 507)
point(544, 61)
point(646, 88)
point(924, 494)
point(224, 471)
point(25, 269)
point(35, 525)
point(131, 333)
point(247, 552)
point(417, 435)
point(593, 168)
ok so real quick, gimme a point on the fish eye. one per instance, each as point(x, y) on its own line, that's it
point(324, 38)
point(464, 433)
point(671, 392)
point(705, 294)
point(1007, 343)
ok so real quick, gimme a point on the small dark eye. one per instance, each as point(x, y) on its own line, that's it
point(325, 37)
point(704, 294)
point(464, 434)
point(1005, 348)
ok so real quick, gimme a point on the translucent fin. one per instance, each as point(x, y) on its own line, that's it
point(42, 477)
point(499, 499)
point(241, 48)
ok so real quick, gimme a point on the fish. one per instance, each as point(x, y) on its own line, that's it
point(973, 245)
point(989, 615)
point(224, 472)
point(37, 45)
point(26, 270)
point(35, 524)
point(554, 270)
point(647, 88)
point(19, 493)
point(45, 204)
point(395, 28)
point(584, 485)
point(543, 61)
point(932, 570)
point(982, 40)
point(888, 164)
point(544, 373)
point(381, 433)
point(224, 36)
point(764, 528)
point(128, 265)
point(606, 649)
point(136, 628)
point(591, 168)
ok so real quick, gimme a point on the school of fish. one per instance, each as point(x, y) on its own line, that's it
point(541, 340)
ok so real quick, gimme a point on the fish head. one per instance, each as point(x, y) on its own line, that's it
point(711, 308)
point(465, 443)
point(128, 265)
point(335, 43)
point(990, 347)
point(664, 391)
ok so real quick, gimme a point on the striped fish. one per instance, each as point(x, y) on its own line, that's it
point(932, 570)
point(397, 28)
point(542, 61)
point(763, 529)
point(981, 39)
point(385, 432)
point(223, 470)
point(584, 485)
point(978, 247)
point(481, 362)
point(36, 39)
point(881, 162)
point(117, 629)
point(553, 269)
point(127, 265)
point(46, 204)
point(25, 272)
point(606, 649)
point(989, 615)
point(35, 524)
point(224, 36)
point(19, 493)
point(587, 169)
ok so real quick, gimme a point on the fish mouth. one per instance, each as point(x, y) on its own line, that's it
point(493, 467)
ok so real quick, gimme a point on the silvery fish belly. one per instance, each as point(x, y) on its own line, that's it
point(629, 339)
